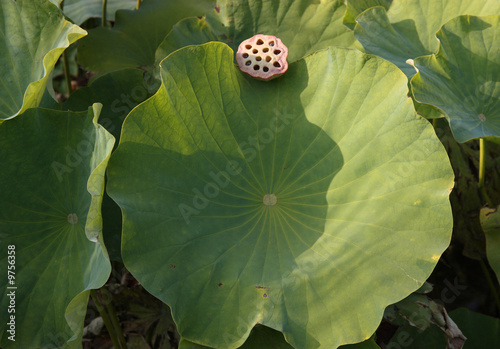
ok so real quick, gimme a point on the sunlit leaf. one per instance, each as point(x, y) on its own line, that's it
point(407, 30)
point(33, 34)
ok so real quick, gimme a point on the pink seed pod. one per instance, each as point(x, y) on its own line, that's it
point(262, 57)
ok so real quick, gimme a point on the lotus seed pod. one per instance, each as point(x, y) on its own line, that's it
point(262, 57)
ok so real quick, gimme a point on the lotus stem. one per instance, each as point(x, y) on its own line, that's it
point(117, 343)
point(493, 289)
point(104, 6)
point(482, 166)
point(114, 321)
point(67, 74)
point(138, 4)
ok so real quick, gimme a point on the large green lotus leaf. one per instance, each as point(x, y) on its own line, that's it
point(290, 203)
point(490, 221)
point(52, 182)
point(81, 10)
point(136, 34)
point(407, 30)
point(463, 78)
point(304, 26)
point(355, 7)
point(33, 34)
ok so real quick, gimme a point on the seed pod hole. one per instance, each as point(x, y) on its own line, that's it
point(255, 51)
point(271, 43)
point(265, 49)
point(265, 69)
point(248, 63)
point(258, 58)
point(256, 67)
point(245, 55)
point(248, 47)
point(260, 42)
point(276, 64)
point(268, 58)
point(277, 52)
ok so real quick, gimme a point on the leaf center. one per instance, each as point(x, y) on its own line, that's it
point(270, 200)
point(72, 218)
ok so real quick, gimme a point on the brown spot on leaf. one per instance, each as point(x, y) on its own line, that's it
point(217, 9)
point(220, 284)
point(172, 266)
point(265, 295)
point(263, 287)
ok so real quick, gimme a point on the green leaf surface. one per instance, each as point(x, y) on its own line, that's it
point(81, 10)
point(304, 26)
point(463, 78)
point(52, 182)
point(355, 7)
point(133, 40)
point(33, 34)
point(407, 30)
point(290, 203)
point(490, 222)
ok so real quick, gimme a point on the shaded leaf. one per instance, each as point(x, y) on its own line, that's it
point(119, 92)
point(81, 10)
point(33, 34)
point(52, 182)
point(463, 78)
point(481, 331)
point(136, 34)
point(490, 221)
point(273, 186)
